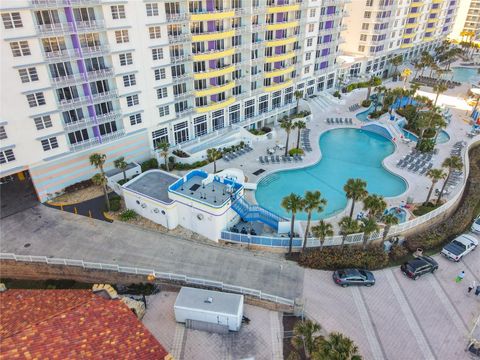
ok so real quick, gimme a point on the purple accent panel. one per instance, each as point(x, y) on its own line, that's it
point(329, 24)
point(210, 5)
point(211, 25)
point(280, 2)
point(280, 17)
point(324, 65)
point(325, 52)
point(278, 50)
point(276, 79)
point(279, 34)
point(212, 64)
point(214, 97)
point(330, 10)
point(211, 45)
point(277, 64)
point(213, 81)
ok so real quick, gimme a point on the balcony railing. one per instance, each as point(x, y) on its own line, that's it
point(90, 25)
point(100, 74)
point(179, 38)
point(67, 54)
point(95, 50)
point(61, 81)
point(177, 17)
point(45, 4)
point(90, 121)
point(105, 96)
point(180, 58)
point(55, 29)
point(72, 103)
point(77, 125)
point(95, 141)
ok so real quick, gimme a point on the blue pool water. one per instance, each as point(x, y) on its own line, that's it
point(464, 74)
point(363, 116)
point(399, 213)
point(346, 153)
point(442, 138)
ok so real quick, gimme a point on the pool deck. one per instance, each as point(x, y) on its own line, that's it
point(418, 185)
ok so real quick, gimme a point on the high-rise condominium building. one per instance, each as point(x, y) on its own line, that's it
point(119, 76)
point(382, 29)
point(468, 20)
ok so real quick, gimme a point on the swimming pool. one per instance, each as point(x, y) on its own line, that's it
point(398, 212)
point(346, 153)
point(442, 138)
point(464, 74)
point(363, 116)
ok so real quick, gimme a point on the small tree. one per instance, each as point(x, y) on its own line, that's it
point(336, 347)
point(389, 220)
point(121, 164)
point(312, 202)
point(451, 163)
point(368, 226)
point(305, 334)
point(396, 62)
point(293, 204)
point(348, 226)
point(99, 179)
point(298, 95)
point(435, 175)
point(98, 160)
point(355, 189)
point(299, 125)
point(214, 155)
point(321, 231)
point(164, 147)
point(375, 205)
point(439, 89)
point(288, 126)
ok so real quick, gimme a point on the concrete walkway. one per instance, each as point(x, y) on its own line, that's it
point(54, 233)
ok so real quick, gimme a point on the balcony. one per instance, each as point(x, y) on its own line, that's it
point(177, 17)
point(214, 72)
point(215, 89)
point(84, 2)
point(279, 72)
point(100, 74)
point(47, 4)
point(92, 121)
point(95, 50)
point(215, 35)
point(105, 96)
point(181, 78)
point(212, 15)
point(273, 9)
point(213, 54)
point(67, 54)
point(55, 29)
point(72, 79)
point(278, 86)
point(215, 105)
point(282, 25)
point(280, 57)
point(73, 103)
point(180, 58)
point(179, 38)
point(281, 42)
point(89, 26)
point(96, 141)
point(77, 125)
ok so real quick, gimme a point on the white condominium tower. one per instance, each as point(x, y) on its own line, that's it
point(382, 29)
point(118, 77)
point(468, 20)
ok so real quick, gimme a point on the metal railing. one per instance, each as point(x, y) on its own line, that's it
point(187, 280)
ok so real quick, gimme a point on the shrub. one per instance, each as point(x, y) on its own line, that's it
point(265, 129)
point(423, 209)
point(114, 204)
point(332, 258)
point(426, 145)
point(366, 103)
point(295, 151)
point(149, 164)
point(128, 215)
point(377, 114)
point(256, 132)
point(79, 186)
point(398, 252)
point(180, 153)
point(337, 94)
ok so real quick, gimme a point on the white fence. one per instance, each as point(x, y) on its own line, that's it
point(187, 280)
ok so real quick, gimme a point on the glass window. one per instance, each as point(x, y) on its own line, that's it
point(49, 144)
point(118, 11)
point(6, 156)
point(12, 20)
point(28, 74)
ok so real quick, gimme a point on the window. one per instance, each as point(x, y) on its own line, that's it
point(20, 48)
point(164, 111)
point(157, 54)
point(308, 56)
point(12, 20)
point(126, 59)
point(6, 156)
point(361, 48)
point(129, 80)
point(162, 93)
point(36, 99)
point(313, 12)
point(135, 119)
point(159, 136)
point(309, 42)
point(28, 74)
point(363, 37)
point(118, 11)
point(154, 32)
point(43, 122)
point(121, 36)
point(200, 125)
point(160, 74)
point(107, 128)
point(367, 14)
point(152, 9)
point(49, 144)
point(3, 133)
point(365, 26)
point(78, 136)
point(132, 100)
point(311, 27)
point(181, 132)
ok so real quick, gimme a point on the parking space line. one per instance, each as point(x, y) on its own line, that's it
point(412, 320)
point(372, 336)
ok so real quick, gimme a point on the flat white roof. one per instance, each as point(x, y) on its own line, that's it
point(197, 299)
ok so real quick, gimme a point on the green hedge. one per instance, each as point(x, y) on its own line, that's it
point(363, 84)
point(149, 164)
point(295, 151)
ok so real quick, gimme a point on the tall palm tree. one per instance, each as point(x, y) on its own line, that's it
point(121, 164)
point(396, 62)
point(288, 126)
point(312, 202)
point(299, 125)
point(213, 155)
point(355, 189)
point(414, 88)
point(98, 160)
point(417, 65)
point(371, 82)
point(368, 226)
point(389, 220)
point(375, 205)
point(427, 60)
point(435, 175)
point(336, 347)
point(305, 334)
point(293, 204)
point(348, 226)
point(100, 179)
point(321, 231)
point(405, 74)
point(298, 95)
point(164, 146)
point(452, 163)
point(438, 89)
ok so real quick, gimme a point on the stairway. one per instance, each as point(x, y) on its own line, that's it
point(249, 212)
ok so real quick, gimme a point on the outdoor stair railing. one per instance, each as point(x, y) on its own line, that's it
point(249, 212)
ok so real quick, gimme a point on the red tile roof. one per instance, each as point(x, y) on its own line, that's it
point(71, 324)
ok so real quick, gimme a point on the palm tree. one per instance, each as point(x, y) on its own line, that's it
point(435, 175)
point(396, 62)
point(312, 201)
point(405, 74)
point(368, 226)
point(100, 179)
point(348, 226)
point(121, 164)
point(438, 89)
point(426, 60)
point(287, 125)
point(98, 160)
point(322, 230)
point(417, 65)
point(414, 87)
point(389, 220)
point(452, 163)
point(336, 347)
point(298, 95)
point(213, 155)
point(375, 205)
point(305, 334)
point(164, 146)
point(355, 189)
point(299, 125)
point(293, 204)
point(371, 82)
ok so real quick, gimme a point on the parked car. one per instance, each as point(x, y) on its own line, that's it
point(476, 225)
point(419, 266)
point(349, 277)
point(459, 247)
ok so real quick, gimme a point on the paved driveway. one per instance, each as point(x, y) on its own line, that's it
point(399, 318)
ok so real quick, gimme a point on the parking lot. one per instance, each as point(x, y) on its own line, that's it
point(400, 318)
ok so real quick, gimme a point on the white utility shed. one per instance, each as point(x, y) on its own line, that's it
point(209, 306)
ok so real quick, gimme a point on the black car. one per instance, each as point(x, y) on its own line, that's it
point(419, 266)
point(349, 277)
